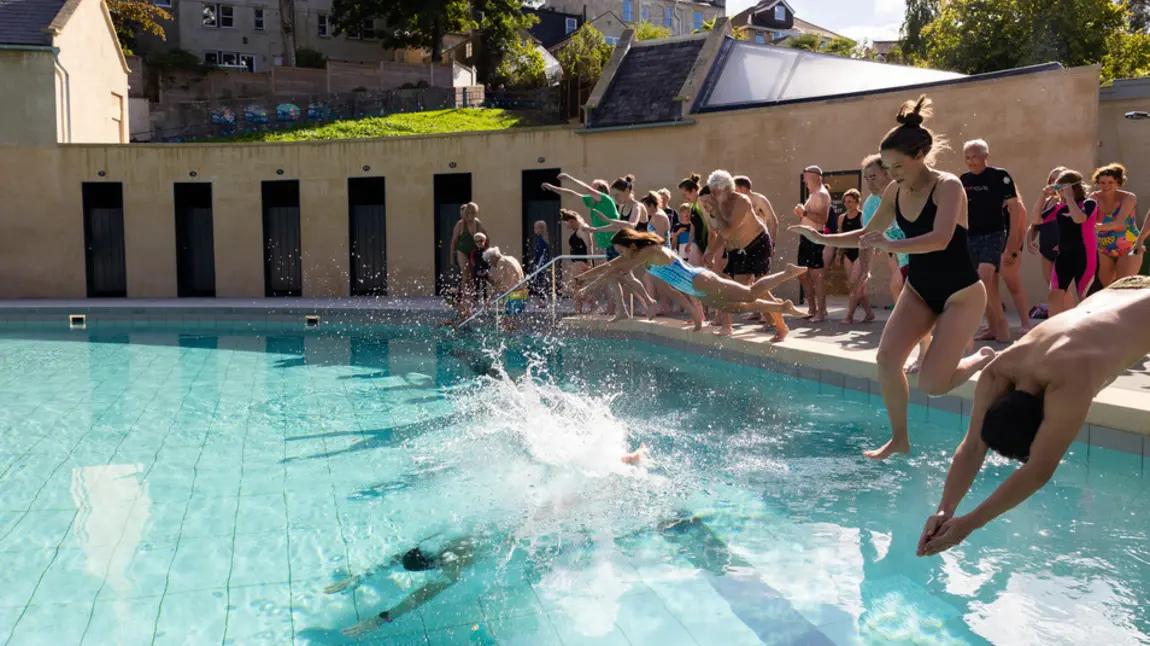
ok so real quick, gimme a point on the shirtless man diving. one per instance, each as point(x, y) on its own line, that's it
point(1032, 399)
point(814, 214)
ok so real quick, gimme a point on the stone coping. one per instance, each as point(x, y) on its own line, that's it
point(1119, 418)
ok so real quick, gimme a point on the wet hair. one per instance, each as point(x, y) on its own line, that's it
point(1052, 176)
point(1117, 171)
point(742, 181)
point(653, 200)
point(691, 183)
point(600, 185)
point(855, 194)
point(910, 137)
point(625, 183)
point(416, 561)
point(637, 239)
point(568, 215)
point(470, 208)
point(706, 190)
point(1074, 179)
point(491, 254)
point(871, 160)
point(1011, 423)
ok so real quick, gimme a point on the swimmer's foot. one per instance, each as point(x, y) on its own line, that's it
point(914, 367)
point(636, 456)
point(817, 317)
point(901, 447)
point(789, 309)
point(869, 317)
point(780, 335)
point(848, 321)
point(724, 331)
point(617, 318)
point(794, 270)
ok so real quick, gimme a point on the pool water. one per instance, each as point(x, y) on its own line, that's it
point(188, 488)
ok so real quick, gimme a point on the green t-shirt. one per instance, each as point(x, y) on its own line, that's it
point(603, 213)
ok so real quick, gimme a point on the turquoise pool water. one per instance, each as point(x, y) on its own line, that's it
point(164, 488)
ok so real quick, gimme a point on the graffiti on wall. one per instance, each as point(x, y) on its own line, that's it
point(256, 114)
point(287, 112)
point(223, 117)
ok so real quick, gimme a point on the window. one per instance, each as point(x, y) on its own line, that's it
point(259, 15)
point(321, 25)
point(212, 58)
point(467, 53)
point(611, 40)
point(645, 12)
point(219, 15)
point(698, 20)
point(229, 58)
point(368, 29)
point(571, 24)
point(780, 13)
point(163, 3)
point(668, 17)
point(628, 10)
point(248, 61)
point(760, 39)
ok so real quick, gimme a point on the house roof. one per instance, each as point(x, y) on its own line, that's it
point(644, 88)
point(27, 22)
point(590, 21)
point(811, 28)
point(552, 26)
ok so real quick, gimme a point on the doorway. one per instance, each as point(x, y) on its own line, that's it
point(452, 190)
point(283, 269)
point(539, 204)
point(103, 204)
point(195, 241)
point(367, 226)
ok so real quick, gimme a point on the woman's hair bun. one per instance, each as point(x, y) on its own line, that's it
point(629, 178)
point(697, 177)
point(913, 113)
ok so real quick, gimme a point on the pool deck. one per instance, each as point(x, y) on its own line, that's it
point(828, 352)
point(846, 355)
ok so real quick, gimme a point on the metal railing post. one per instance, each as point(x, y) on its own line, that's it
point(525, 281)
point(554, 296)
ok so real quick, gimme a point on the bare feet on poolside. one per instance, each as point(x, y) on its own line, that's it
point(1024, 329)
point(914, 367)
point(617, 318)
point(724, 331)
point(818, 317)
point(848, 321)
point(890, 448)
point(636, 456)
point(780, 335)
point(868, 318)
point(789, 309)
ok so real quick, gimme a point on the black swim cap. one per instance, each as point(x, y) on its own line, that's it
point(417, 561)
point(1011, 424)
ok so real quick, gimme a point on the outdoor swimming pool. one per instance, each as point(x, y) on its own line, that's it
point(204, 487)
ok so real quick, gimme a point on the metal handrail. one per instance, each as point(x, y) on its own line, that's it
point(526, 280)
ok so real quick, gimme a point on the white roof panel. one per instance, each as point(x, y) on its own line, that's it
point(758, 74)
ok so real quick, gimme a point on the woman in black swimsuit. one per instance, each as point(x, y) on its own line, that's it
point(578, 247)
point(851, 220)
point(942, 290)
point(1042, 237)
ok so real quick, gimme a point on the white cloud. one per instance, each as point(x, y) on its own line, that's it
point(887, 31)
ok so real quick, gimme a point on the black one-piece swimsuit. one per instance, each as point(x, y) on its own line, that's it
point(936, 275)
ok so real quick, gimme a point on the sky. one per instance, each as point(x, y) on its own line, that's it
point(857, 19)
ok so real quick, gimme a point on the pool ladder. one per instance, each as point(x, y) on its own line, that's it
point(554, 300)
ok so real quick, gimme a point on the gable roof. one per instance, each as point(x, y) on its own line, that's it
point(552, 26)
point(645, 87)
point(590, 21)
point(770, 4)
point(811, 28)
point(27, 22)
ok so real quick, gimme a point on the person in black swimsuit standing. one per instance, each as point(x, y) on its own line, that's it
point(942, 291)
point(852, 220)
point(577, 244)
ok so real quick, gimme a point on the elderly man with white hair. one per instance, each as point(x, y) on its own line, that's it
point(505, 274)
point(997, 229)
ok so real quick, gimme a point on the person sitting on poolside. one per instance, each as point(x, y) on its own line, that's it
point(1032, 399)
point(647, 249)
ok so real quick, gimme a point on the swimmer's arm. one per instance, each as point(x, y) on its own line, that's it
point(1036, 211)
point(595, 195)
point(1076, 213)
point(1017, 214)
point(614, 225)
point(771, 220)
point(850, 240)
point(951, 200)
point(971, 453)
point(560, 189)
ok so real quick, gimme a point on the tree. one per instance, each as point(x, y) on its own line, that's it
point(738, 33)
point(978, 36)
point(502, 25)
point(308, 57)
point(1139, 15)
point(807, 42)
point(410, 23)
point(131, 16)
point(585, 55)
point(522, 66)
point(919, 14)
point(842, 46)
point(647, 31)
point(1127, 56)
